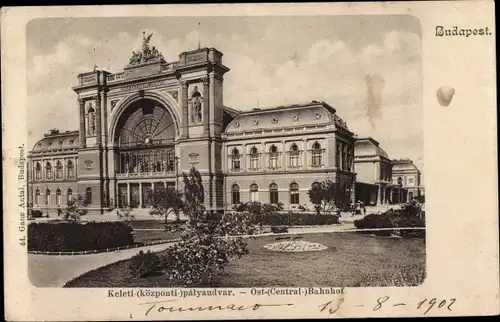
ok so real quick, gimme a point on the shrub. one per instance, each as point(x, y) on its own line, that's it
point(144, 264)
point(375, 221)
point(73, 236)
point(299, 219)
point(279, 229)
point(408, 216)
point(36, 213)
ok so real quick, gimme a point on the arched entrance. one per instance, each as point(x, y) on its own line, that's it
point(144, 137)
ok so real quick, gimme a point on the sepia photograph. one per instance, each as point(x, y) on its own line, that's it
point(194, 151)
point(250, 161)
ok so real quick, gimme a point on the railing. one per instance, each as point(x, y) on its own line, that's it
point(144, 174)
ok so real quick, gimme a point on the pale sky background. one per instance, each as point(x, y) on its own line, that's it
point(273, 60)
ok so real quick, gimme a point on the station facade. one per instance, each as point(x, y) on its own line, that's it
point(143, 127)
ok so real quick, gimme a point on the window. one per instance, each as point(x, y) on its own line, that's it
point(316, 155)
point(59, 170)
point(70, 169)
point(294, 193)
point(410, 181)
point(254, 192)
point(88, 196)
point(37, 197)
point(47, 197)
point(294, 156)
point(48, 171)
point(273, 157)
point(58, 197)
point(273, 194)
point(38, 171)
point(254, 159)
point(69, 195)
point(235, 194)
point(235, 160)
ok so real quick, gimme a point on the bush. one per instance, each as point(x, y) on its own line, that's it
point(72, 236)
point(144, 264)
point(408, 216)
point(36, 213)
point(375, 221)
point(279, 229)
point(298, 219)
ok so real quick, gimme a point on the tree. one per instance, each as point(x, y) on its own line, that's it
point(328, 196)
point(166, 201)
point(124, 213)
point(77, 207)
point(208, 242)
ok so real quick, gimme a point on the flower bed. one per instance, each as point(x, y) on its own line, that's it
point(295, 246)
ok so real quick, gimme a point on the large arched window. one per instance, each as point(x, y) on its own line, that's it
point(70, 169)
point(48, 171)
point(235, 160)
point(37, 197)
point(254, 158)
point(273, 157)
point(273, 194)
point(88, 196)
point(47, 197)
point(38, 171)
point(316, 155)
point(58, 197)
point(59, 170)
point(69, 195)
point(254, 192)
point(294, 156)
point(235, 194)
point(294, 193)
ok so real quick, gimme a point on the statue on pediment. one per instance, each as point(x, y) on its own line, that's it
point(146, 53)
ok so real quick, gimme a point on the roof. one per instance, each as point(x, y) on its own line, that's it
point(403, 164)
point(277, 117)
point(367, 147)
point(57, 141)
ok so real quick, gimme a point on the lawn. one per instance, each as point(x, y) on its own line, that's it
point(351, 260)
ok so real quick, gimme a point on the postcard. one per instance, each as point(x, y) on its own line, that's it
point(250, 161)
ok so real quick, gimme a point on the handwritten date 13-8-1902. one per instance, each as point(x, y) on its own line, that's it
point(425, 305)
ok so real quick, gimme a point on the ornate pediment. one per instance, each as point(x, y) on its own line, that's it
point(147, 53)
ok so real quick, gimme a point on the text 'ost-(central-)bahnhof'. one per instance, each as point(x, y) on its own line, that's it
point(141, 128)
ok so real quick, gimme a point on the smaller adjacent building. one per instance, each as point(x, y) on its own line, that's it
point(406, 175)
point(373, 172)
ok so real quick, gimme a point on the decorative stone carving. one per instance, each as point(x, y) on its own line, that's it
point(274, 120)
point(113, 104)
point(255, 122)
point(296, 118)
point(147, 53)
point(318, 116)
point(174, 94)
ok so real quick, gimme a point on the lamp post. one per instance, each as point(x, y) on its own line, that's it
point(400, 183)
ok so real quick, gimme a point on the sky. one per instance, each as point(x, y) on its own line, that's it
point(367, 67)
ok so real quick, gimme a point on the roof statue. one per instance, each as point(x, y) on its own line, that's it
point(147, 53)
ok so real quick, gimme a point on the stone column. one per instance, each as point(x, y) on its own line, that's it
point(185, 112)
point(81, 134)
point(206, 107)
point(128, 194)
point(379, 197)
point(212, 108)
